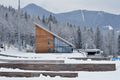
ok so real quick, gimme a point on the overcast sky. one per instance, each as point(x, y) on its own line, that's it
point(58, 6)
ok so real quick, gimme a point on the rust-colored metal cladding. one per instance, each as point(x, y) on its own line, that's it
point(44, 40)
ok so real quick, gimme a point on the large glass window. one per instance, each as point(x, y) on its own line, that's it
point(61, 47)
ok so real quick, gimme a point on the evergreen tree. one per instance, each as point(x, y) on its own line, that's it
point(98, 38)
point(90, 39)
point(6, 16)
point(79, 40)
point(110, 42)
point(43, 19)
point(26, 16)
point(38, 18)
point(52, 19)
point(118, 44)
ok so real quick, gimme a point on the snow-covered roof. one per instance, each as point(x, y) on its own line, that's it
point(109, 27)
point(55, 35)
point(90, 50)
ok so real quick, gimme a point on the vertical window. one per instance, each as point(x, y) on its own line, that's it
point(48, 41)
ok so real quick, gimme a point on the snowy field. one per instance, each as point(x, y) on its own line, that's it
point(82, 75)
point(33, 56)
point(51, 56)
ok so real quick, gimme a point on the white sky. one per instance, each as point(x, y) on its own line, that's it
point(58, 6)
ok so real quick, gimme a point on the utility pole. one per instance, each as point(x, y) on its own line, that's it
point(19, 5)
point(18, 27)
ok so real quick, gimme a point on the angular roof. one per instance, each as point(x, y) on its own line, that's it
point(55, 35)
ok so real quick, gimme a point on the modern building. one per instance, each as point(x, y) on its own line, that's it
point(48, 42)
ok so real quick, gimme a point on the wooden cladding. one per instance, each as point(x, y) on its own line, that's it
point(44, 40)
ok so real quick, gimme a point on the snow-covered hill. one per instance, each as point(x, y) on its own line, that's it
point(78, 17)
point(90, 18)
point(36, 10)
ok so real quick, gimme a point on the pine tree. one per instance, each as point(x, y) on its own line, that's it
point(119, 44)
point(26, 16)
point(43, 19)
point(38, 18)
point(79, 43)
point(6, 16)
point(98, 38)
point(111, 42)
point(50, 27)
point(50, 18)
point(89, 39)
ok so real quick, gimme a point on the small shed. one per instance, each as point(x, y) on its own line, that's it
point(92, 52)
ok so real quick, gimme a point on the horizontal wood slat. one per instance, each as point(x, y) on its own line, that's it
point(61, 67)
point(37, 74)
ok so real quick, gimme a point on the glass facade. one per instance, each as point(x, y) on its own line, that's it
point(62, 47)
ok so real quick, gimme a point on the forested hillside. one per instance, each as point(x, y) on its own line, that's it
point(83, 37)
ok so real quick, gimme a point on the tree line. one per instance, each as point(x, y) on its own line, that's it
point(108, 40)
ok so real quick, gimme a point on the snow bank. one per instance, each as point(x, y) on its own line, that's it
point(38, 78)
point(34, 56)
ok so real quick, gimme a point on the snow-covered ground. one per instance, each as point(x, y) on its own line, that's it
point(50, 56)
point(82, 75)
point(33, 56)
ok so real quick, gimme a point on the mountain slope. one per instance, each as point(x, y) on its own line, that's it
point(35, 10)
point(90, 18)
point(78, 17)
